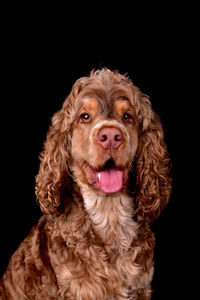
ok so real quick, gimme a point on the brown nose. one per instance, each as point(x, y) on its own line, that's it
point(110, 138)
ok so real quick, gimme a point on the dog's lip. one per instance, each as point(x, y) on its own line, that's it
point(107, 165)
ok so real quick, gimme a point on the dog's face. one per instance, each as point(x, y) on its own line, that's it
point(106, 123)
point(104, 143)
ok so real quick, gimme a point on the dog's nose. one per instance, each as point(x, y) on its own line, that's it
point(110, 138)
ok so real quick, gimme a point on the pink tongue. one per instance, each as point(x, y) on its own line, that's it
point(111, 180)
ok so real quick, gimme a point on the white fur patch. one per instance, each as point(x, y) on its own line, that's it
point(112, 218)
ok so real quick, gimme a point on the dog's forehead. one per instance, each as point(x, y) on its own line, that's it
point(122, 105)
point(96, 104)
point(90, 103)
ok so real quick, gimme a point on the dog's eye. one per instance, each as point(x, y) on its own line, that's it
point(84, 118)
point(128, 118)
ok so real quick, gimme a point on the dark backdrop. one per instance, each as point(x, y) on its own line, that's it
point(39, 69)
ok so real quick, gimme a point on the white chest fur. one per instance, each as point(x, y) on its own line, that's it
point(112, 218)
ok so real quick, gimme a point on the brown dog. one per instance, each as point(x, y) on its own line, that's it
point(104, 176)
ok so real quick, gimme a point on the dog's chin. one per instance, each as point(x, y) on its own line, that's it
point(109, 179)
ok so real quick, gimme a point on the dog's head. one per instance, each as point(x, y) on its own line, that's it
point(106, 138)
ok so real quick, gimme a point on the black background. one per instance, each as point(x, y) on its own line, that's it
point(44, 52)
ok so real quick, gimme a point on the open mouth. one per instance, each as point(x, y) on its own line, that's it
point(109, 179)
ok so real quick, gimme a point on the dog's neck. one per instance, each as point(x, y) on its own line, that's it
point(112, 218)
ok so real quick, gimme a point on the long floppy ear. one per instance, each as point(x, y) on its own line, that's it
point(53, 179)
point(153, 185)
point(53, 183)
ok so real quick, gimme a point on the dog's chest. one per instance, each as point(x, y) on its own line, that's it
point(100, 260)
point(112, 219)
point(97, 274)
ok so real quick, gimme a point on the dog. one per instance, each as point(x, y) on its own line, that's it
point(103, 178)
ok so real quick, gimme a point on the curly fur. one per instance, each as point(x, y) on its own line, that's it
point(89, 245)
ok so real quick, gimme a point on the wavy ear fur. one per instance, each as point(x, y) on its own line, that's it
point(53, 182)
point(53, 179)
point(153, 183)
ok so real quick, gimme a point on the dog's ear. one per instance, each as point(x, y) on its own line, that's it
point(53, 178)
point(153, 186)
point(53, 182)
